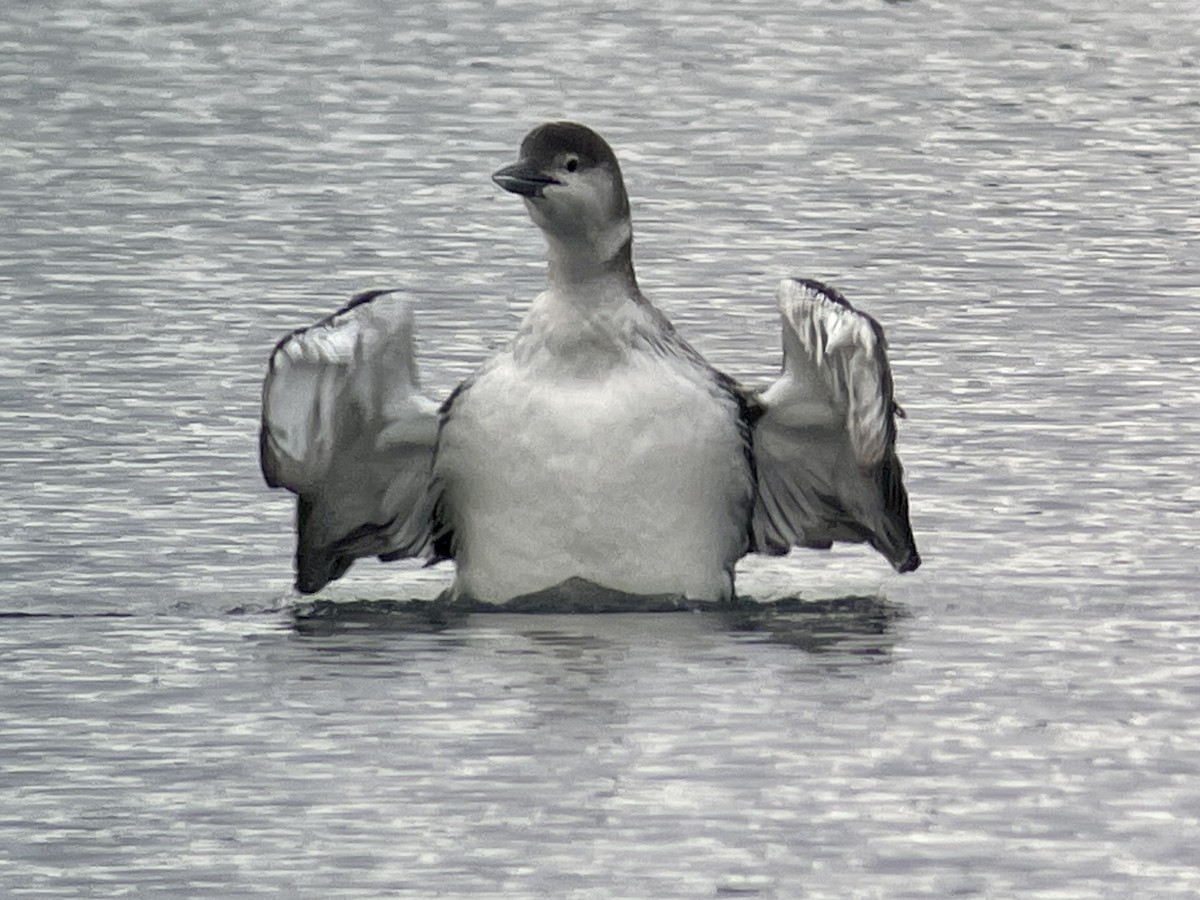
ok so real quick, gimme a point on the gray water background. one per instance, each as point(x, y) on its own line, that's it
point(1011, 191)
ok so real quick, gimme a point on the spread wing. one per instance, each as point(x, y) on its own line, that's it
point(346, 429)
point(825, 445)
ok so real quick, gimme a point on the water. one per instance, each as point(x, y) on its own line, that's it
point(1011, 192)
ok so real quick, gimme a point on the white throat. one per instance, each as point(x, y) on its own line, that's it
point(591, 261)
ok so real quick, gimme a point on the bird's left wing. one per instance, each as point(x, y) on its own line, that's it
point(346, 428)
point(825, 444)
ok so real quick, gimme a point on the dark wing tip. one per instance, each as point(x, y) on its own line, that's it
point(910, 563)
point(311, 579)
point(893, 534)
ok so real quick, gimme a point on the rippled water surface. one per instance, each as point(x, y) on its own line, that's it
point(1011, 192)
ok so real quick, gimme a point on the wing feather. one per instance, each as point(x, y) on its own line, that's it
point(346, 428)
point(825, 446)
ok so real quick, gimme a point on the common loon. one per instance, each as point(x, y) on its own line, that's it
point(599, 444)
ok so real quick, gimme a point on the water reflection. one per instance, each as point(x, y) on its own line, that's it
point(326, 617)
point(851, 626)
point(855, 625)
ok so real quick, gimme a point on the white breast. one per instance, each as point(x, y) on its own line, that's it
point(631, 474)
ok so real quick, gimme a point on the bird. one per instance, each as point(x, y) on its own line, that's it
point(598, 445)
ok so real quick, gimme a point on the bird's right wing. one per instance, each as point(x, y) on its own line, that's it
point(825, 444)
point(346, 428)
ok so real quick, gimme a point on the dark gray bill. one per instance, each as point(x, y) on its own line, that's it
point(523, 178)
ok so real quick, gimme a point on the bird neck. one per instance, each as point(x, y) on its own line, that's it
point(584, 323)
point(593, 267)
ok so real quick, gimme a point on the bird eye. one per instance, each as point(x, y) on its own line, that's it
point(572, 164)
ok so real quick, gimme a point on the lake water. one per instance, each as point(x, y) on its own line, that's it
point(1012, 192)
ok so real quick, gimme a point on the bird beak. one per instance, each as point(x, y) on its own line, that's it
point(523, 178)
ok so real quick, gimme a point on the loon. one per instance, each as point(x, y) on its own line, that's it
point(598, 444)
